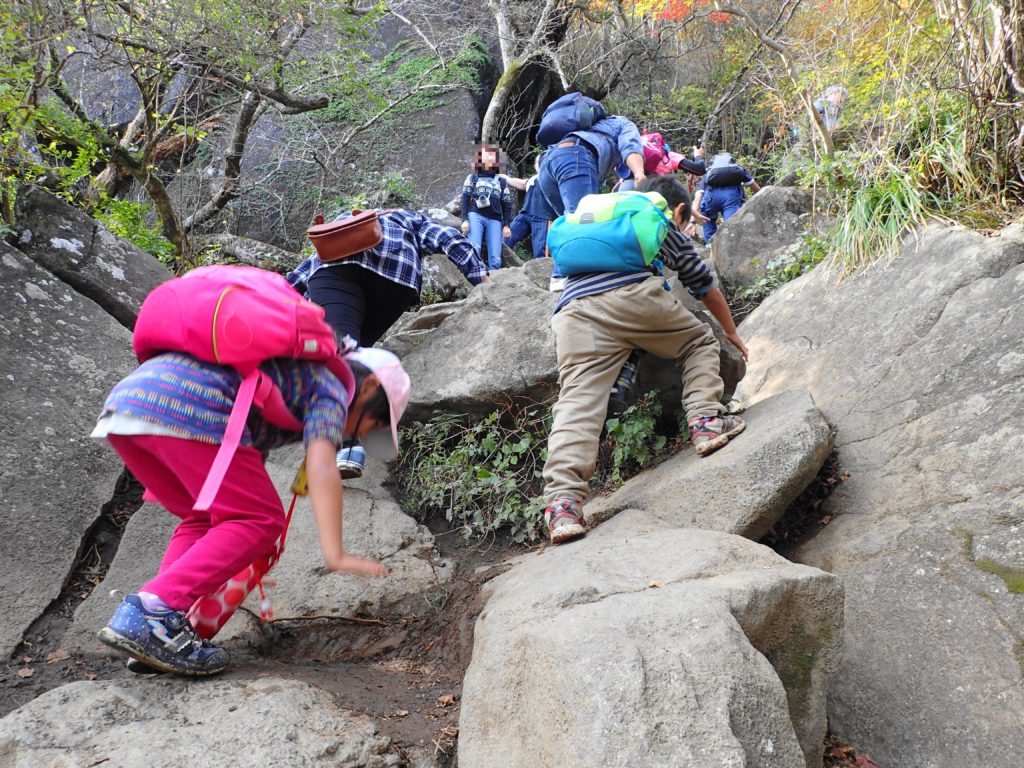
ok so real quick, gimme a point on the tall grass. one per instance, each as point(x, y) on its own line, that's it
point(932, 171)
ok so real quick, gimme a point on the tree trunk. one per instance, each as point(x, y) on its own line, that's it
point(499, 99)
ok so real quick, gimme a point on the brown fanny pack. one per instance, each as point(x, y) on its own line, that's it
point(335, 240)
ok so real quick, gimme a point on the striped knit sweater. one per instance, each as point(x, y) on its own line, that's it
point(677, 252)
point(194, 399)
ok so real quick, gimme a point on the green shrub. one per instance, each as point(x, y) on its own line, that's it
point(128, 219)
point(632, 441)
point(482, 474)
point(485, 474)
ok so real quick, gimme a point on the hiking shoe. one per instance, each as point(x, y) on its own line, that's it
point(164, 640)
point(709, 433)
point(564, 518)
point(351, 461)
point(556, 284)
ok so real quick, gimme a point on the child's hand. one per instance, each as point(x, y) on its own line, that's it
point(699, 217)
point(506, 232)
point(365, 566)
point(738, 343)
point(465, 227)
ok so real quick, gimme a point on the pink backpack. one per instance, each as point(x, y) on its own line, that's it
point(654, 151)
point(239, 317)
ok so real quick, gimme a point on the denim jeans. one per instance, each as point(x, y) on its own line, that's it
point(568, 173)
point(724, 200)
point(479, 226)
point(537, 228)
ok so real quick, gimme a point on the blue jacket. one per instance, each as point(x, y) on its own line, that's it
point(614, 138)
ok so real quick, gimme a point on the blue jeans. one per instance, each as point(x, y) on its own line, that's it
point(724, 200)
point(524, 224)
point(568, 173)
point(478, 227)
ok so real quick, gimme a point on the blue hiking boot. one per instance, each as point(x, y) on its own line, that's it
point(351, 461)
point(164, 640)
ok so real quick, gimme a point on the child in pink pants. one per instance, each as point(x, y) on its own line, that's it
point(166, 420)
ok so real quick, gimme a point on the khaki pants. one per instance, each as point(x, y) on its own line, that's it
point(594, 337)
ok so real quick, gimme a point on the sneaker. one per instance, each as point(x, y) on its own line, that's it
point(557, 284)
point(351, 461)
point(709, 433)
point(164, 640)
point(564, 518)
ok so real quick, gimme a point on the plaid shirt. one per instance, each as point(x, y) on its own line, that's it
point(407, 235)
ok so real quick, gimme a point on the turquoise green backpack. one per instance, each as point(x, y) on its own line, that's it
point(617, 232)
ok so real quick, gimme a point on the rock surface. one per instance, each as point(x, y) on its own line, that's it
point(742, 488)
point(60, 354)
point(108, 269)
point(926, 392)
point(768, 223)
point(650, 645)
point(203, 724)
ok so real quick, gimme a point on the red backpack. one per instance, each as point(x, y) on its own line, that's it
point(654, 151)
point(238, 317)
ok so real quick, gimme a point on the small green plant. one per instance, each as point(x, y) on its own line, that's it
point(430, 296)
point(788, 266)
point(481, 474)
point(128, 219)
point(632, 440)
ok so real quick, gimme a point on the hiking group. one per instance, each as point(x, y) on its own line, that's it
point(219, 340)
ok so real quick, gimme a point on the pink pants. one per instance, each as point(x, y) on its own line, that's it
point(207, 548)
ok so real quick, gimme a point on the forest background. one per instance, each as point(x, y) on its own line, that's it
point(182, 124)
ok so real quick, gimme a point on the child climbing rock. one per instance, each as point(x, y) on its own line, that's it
point(167, 420)
point(602, 316)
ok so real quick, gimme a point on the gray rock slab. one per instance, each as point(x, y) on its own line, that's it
point(442, 280)
point(497, 343)
point(768, 222)
point(204, 724)
point(103, 267)
point(59, 356)
point(375, 526)
point(646, 644)
point(742, 488)
point(917, 364)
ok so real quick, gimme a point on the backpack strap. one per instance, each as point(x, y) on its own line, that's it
point(256, 389)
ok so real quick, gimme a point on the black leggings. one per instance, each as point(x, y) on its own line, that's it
point(359, 303)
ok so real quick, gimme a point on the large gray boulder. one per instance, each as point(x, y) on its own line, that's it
point(230, 721)
point(917, 363)
point(742, 488)
point(108, 269)
point(375, 527)
point(651, 645)
point(60, 355)
point(467, 356)
point(767, 225)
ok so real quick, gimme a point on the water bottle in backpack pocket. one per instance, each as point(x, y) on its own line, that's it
point(615, 232)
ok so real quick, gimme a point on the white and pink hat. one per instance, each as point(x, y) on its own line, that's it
point(383, 443)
